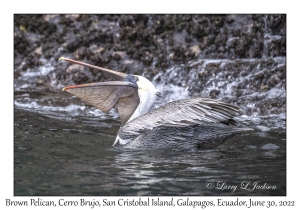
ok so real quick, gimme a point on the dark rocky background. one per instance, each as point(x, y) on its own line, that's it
point(148, 45)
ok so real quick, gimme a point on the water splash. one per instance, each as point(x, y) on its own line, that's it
point(64, 109)
point(240, 82)
point(270, 40)
point(246, 83)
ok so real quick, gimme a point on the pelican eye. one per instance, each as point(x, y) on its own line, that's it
point(158, 94)
point(131, 78)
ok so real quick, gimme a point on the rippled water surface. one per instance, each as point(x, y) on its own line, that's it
point(63, 147)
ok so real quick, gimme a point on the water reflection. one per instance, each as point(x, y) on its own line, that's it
point(187, 173)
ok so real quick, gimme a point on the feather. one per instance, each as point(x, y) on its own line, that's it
point(184, 112)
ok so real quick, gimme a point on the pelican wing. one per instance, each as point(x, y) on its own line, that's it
point(106, 95)
point(183, 113)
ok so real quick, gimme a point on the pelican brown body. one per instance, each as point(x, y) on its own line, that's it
point(179, 125)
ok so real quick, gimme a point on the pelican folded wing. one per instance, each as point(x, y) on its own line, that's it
point(183, 113)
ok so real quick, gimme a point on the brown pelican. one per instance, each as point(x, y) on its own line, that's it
point(179, 125)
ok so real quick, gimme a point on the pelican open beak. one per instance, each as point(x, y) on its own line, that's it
point(123, 95)
point(120, 75)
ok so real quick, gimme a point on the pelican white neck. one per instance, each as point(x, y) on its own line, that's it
point(147, 94)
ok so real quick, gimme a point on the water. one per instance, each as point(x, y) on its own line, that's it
point(63, 147)
point(86, 170)
point(59, 157)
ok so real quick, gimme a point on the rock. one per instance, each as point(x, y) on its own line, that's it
point(38, 51)
point(144, 44)
point(270, 146)
point(196, 50)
